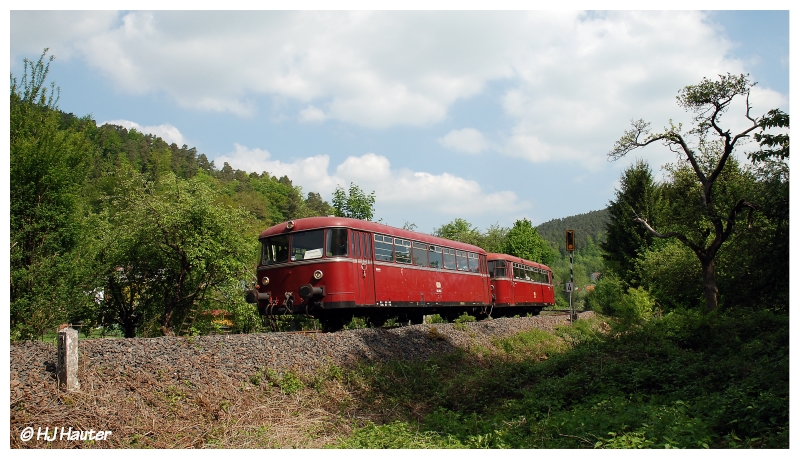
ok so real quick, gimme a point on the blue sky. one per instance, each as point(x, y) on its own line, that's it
point(488, 116)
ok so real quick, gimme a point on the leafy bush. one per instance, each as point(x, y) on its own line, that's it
point(635, 306)
point(606, 295)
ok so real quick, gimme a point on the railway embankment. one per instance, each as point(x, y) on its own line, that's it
point(200, 376)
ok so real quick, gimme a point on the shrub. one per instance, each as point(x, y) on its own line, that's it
point(606, 295)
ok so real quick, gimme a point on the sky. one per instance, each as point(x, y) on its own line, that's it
point(490, 116)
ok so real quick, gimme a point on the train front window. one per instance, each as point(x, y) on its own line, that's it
point(307, 245)
point(337, 242)
point(275, 250)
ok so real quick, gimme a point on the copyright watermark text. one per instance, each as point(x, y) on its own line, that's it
point(63, 433)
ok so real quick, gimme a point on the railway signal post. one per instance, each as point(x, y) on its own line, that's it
point(570, 243)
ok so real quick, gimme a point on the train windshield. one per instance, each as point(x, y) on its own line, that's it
point(337, 242)
point(307, 245)
point(275, 250)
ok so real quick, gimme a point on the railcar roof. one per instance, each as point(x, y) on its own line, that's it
point(303, 224)
point(503, 256)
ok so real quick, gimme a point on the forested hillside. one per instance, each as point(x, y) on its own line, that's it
point(588, 226)
point(114, 227)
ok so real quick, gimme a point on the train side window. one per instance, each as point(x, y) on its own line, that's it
point(383, 247)
point(336, 242)
point(307, 245)
point(450, 258)
point(275, 250)
point(461, 259)
point(435, 256)
point(402, 251)
point(499, 268)
point(473, 262)
point(419, 253)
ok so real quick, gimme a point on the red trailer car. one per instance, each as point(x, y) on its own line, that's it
point(518, 285)
point(333, 268)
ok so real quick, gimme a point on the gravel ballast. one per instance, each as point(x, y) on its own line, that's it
point(200, 361)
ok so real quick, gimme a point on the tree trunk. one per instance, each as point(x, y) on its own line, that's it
point(709, 283)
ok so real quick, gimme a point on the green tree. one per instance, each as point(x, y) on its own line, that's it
point(710, 224)
point(459, 230)
point(48, 165)
point(638, 196)
point(170, 250)
point(523, 241)
point(354, 204)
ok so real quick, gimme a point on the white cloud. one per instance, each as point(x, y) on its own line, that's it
point(312, 114)
point(401, 189)
point(166, 131)
point(467, 140)
point(572, 80)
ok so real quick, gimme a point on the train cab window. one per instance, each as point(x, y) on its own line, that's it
point(383, 247)
point(275, 250)
point(473, 262)
point(435, 256)
point(491, 269)
point(307, 245)
point(461, 259)
point(419, 253)
point(449, 258)
point(499, 268)
point(402, 251)
point(336, 242)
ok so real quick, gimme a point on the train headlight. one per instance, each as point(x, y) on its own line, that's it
point(265, 280)
point(318, 274)
point(290, 224)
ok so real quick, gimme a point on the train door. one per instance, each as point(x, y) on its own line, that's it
point(361, 248)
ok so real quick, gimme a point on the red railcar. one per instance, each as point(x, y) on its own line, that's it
point(333, 268)
point(519, 285)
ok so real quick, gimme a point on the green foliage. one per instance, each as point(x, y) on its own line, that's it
point(523, 241)
point(48, 164)
point(169, 249)
point(459, 230)
point(396, 435)
point(773, 146)
point(111, 226)
point(354, 204)
point(607, 294)
point(461, 321)
point(708, 197)
point(684, 380)
point(638, 196)
point(669, 270)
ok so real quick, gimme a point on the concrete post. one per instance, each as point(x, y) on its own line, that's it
point(68, 359)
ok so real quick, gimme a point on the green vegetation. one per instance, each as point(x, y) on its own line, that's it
point(354, 204)
point(116, 229)
point(684, 380)
point(708, 197)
